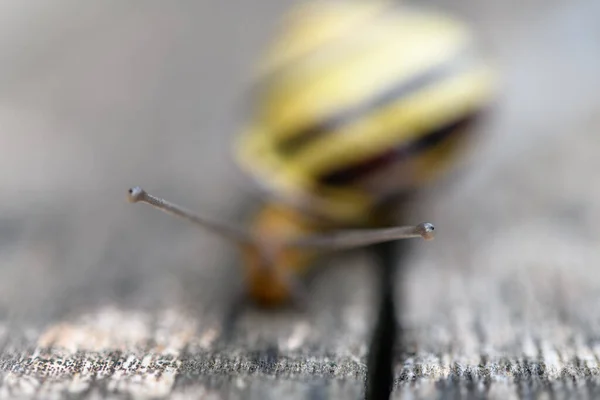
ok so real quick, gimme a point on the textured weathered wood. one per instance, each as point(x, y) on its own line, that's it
point(506, 304)
point(99, 298)
point(106, 298)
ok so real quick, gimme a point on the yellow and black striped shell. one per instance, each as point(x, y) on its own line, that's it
point(359, 101)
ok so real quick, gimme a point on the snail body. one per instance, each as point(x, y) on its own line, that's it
point(355, 105)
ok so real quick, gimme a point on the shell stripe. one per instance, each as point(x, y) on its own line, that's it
point(401, 153)
point(296, 142)
point(404, 120)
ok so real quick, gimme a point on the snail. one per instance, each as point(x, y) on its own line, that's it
point(356, 105)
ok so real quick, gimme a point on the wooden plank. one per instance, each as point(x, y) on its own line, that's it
point(505, 305)
point(127, 353)
point(119, 300)
point(520, 308)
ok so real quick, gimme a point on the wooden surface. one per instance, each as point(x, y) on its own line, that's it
point(99, 298)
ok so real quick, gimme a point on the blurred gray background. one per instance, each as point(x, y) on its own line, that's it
point(97, 97)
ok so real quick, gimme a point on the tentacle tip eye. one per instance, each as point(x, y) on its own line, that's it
point(135, 194)
point(426, 230)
